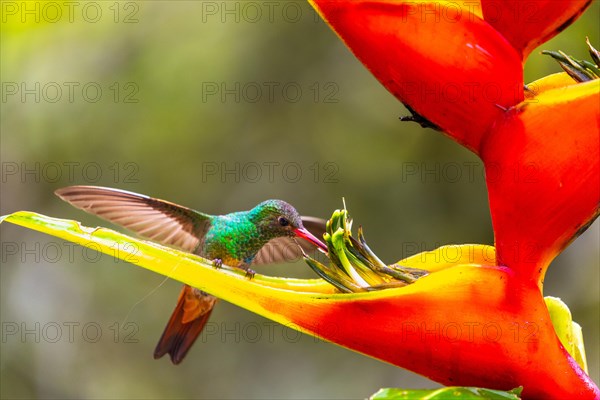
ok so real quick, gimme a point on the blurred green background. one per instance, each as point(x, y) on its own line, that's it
point(217, 106)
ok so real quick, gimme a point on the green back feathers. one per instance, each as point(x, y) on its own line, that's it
point(239, 236)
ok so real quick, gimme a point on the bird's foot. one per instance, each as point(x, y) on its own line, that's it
point(217, 263)
point(250, 273)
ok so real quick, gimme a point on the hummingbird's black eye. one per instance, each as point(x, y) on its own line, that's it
point(283, 221)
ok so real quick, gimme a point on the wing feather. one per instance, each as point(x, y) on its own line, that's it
point(288, 249)
point(154, 219)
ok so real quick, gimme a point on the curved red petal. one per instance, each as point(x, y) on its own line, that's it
point(439, 58)
point(542, 172)
point(527, 24)
point(466, 325)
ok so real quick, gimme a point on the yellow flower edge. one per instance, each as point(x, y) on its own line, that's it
point(556, 90)
point(196, 271)
point(231, 284)
point(548, 82)
point(456, 271)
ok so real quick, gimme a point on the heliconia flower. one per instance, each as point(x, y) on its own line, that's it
point(542, 170)
point(540, 147)
point(468, 322)
point(468, 315)
point(527, 24)
point(439, 57)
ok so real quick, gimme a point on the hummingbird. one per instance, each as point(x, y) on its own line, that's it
point(265, 234)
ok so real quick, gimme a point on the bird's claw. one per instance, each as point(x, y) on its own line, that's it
point(217, 263)
point(250, 273)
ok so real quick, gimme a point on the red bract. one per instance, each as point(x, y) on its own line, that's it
point(468, 325)
point(542, 168)
point(527, 24)
point(440, 58)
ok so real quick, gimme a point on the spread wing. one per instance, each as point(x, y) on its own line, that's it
point(288, 249)
point(154, 219)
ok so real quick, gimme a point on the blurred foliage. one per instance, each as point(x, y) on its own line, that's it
point(329, 130)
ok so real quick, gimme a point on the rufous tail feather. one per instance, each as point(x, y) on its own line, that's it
point(186, 323)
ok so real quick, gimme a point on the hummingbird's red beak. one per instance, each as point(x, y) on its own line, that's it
point(306, 235)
